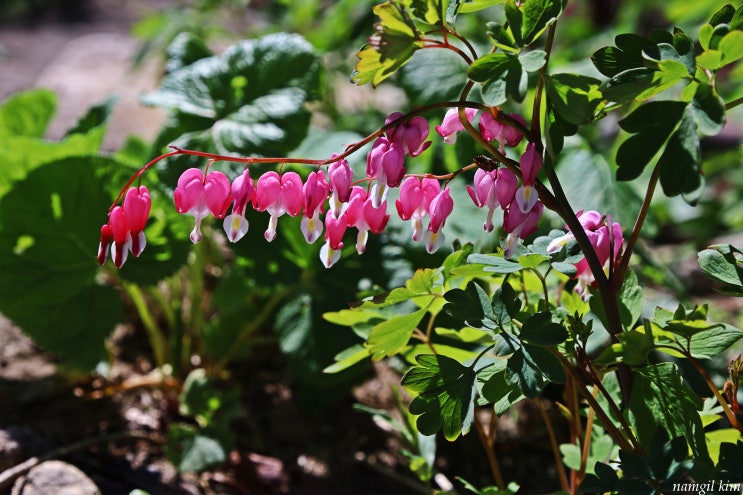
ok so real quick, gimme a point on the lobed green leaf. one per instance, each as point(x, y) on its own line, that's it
point(446, 393)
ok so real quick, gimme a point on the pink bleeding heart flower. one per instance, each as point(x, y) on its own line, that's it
point(315, 192)
point(491, 129)
point(243, 192)
point(340, 177)
point(492, 189)
point(606, 242)
point(410, 135)
point(121, 235)
point(519, 225)
point(137, 206)
point(452, 124)
point(104, 245)
point(441, 207)
point(385, 163)
point(278, 194)
point(364, 216)
point(200, 195)
point(415, 198)
point(531, 163)
point(335, 228)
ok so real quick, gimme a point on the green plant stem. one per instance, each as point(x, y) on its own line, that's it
point(733, 104)
point(195, 298)
point(259, 321)
point(545, 289)
point(154, 335)
point(488, 443)
point(537, 107)
point(621, 269)
point(176, 338)
point(612, 404)
point(555, 446)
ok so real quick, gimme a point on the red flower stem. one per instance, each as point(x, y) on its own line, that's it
point(439, 44)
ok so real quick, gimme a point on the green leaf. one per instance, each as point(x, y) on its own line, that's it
point(350, 317)
point(502, 76)
point(96, 116)
point(632, 349)
point(731, 46)
point(538, 15)
point(391, 336)
point(185, 49)
point(428, 11)
point(446, 393)
point(396, 41)
point(723, 263)
point(203, 397)
point(467, 6)
point(471, 305)
point(532, 260)
point(709, 110)
point(21, 154)
point(533, 61)
point(192, 451)
point(708, 344)
point(576, 98)
point(346, 359)
point(680, 162)
point(449, 73)
point(723, 15)
point(539, 329)
point(249, 100)
point(643, 83)
point(499, 391)
point(422, 289)
point(27, 113)
point(495, 263)
point(515, 19)
point(628, 54)
point(652, 124)
point(630, 301)
point(724, 48)
point(506, 304)
point(49, 232)
point(660, 399)
point(523, 371)
point(491, 66)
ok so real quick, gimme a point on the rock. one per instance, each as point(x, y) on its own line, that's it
point(10, 451)
point(57, 477)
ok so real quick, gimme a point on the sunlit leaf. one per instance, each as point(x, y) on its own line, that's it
point(49, 232)
point(396, 40)
point(575, 97)
point(446, 393)
point(27, 113)
point(661, 399)
point(391, 336)
point(249, 100)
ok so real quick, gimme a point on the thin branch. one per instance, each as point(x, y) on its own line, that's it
point(488, 441)
point(555, 446)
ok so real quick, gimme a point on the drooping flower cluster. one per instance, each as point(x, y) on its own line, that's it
point(345, 204)
point(124, 232)
point(499, 187)
point(606, 238)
